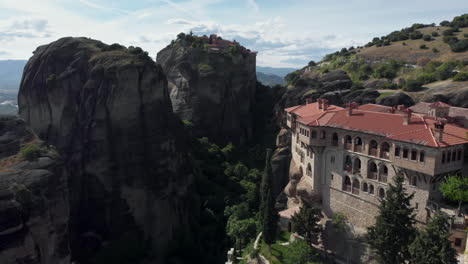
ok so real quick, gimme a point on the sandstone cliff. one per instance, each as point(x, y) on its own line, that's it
point(34, 206)
point(212, 87)
point(107, 110)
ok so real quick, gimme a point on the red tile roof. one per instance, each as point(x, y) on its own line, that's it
point(420, 129)
point(439, 104)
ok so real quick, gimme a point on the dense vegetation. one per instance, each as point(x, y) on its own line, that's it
point(395, 239)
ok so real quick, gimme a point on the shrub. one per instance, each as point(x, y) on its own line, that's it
point(445, 23)
point(388, 69)
point(423, 61)
point(427, 38)
point(423, 46)
point(426, 78)
point(30, 152)
point(448, 32)
point(435, 34)
point(445, 70)
point(459, 46)
point(205, 68)
point(416, 35)
point(465, 35)
point(435, 50)
point(412, 85)
point(449, 39)
point(461, 76)
point(339, 220)
point(386, 42)
point(404, 43)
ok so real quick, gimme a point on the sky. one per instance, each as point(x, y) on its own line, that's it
point(286, 33)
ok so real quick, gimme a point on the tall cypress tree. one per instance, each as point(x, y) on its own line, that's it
point(432, 244)
point(394, 229)
point(268, 213)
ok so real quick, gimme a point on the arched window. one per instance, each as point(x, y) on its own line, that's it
point(314, 134)
point(309, 170)
point(405, 153)
point(357, 166)
point(414, 181)
point(356, 186)
point(365, 188)
point(372, 174)
point(414, 154)
point(348, 142)
point(422, 156)
point(381, 193)
point(385, 150)
point(348, 165)
point(373, 148)
point(397, 151)
point(347, 184)
point(335, 139)
point(383, 173)
point(357, 144)
point(323, 134)
point(371, 189)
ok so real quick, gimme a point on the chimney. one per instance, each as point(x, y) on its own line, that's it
point(320, 103)
point(392, 110)
point(401, 108)
point(308, 100)
point(350, 107)
point(325, 104)
point(439, 130)
point(407, 116)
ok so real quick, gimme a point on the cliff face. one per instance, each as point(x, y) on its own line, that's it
point(214, 89)
point(107, 110)
point(34, 207)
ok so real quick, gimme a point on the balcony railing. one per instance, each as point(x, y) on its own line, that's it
point(347, 188)
point(358, 148)
point(373, 152)
point(372, 175)
point(383, 178)
point(348, 146)
point(385, 155)
point(355, 190)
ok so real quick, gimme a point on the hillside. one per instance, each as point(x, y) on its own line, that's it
point(410, 51)
point(281, 72)
point(269, 79)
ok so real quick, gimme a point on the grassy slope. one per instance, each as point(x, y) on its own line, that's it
point(411, 51)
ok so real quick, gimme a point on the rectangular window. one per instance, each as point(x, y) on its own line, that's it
point(331, 176)
point(397, 151)
point(458, 242)
point(459, 154)
point(414, 154)
point(443, 157)
point(416, 206)
point(449, 156)
point(421, 156)
point(405, 153)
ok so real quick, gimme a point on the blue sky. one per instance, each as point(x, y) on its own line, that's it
point(286, 33)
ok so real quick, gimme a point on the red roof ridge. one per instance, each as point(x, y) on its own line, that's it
point(433, 138)
point(374, 112)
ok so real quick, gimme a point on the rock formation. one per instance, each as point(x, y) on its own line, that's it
point(107, 110)
point(212, 86)
point(34, 206)
point(397, 99)
point(280, 161)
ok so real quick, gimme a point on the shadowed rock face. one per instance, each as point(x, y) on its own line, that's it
point(213, 90)
point(34, 206)
point(107, 110)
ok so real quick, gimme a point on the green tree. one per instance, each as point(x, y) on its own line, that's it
point(455, 188)
point(393, 231)
point(268, 213)
point(305, 222)
point(299, 252)
point(432, 244)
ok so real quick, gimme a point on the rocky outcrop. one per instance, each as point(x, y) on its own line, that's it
point(212, 87)
point(397, 99)
point(107, 110)
point(375, 83)
point(280, 161)
point(34, 206)
point(365, 96)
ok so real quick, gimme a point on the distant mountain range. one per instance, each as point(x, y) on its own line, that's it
point(272, 76)
point(269, 79)
point(11, 72)
point(281, 72)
